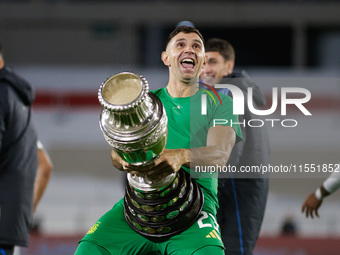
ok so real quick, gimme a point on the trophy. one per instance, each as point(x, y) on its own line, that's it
point(134, 123)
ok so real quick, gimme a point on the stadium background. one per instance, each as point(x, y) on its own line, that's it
point(67, 48)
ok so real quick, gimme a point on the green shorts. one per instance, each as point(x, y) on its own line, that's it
point(112, 235)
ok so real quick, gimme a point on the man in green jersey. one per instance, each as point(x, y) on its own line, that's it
point(194, 141)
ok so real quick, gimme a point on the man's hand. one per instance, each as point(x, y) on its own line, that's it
point(170, 161)
point(118, 162)
point(311, 206)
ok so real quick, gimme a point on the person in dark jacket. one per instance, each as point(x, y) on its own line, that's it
point(242, 200)
point(18, 160)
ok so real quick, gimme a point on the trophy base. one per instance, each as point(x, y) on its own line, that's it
point(165, 212)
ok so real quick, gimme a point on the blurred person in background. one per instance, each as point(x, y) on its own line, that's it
point(242, 200)
point(313, 202)
point(289, 226)
point(22, 182)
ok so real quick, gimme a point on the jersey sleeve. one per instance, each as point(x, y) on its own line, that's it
point(223, 115)
point(333, 181)
point(89, 248)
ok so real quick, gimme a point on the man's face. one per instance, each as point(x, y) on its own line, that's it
point(216, 68)
point(185, 56)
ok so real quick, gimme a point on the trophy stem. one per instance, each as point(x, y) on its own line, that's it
point(145, 184)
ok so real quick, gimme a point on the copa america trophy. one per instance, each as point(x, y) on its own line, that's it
point(134, 123)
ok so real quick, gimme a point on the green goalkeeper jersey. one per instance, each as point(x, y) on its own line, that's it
point(188, 128)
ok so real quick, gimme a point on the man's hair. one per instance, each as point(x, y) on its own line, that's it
point(0, 49)
point(186, 30)
point(222, 46)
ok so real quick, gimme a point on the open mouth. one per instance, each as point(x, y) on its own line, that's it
point(188, 63)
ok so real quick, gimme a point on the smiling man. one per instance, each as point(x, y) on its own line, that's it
point(193, 140)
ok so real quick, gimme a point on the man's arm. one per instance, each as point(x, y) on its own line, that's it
point(220, 141)
point(314, 200)
point(238, 150)
point(44, 172)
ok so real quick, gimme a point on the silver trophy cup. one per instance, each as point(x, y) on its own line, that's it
point(134, 123)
